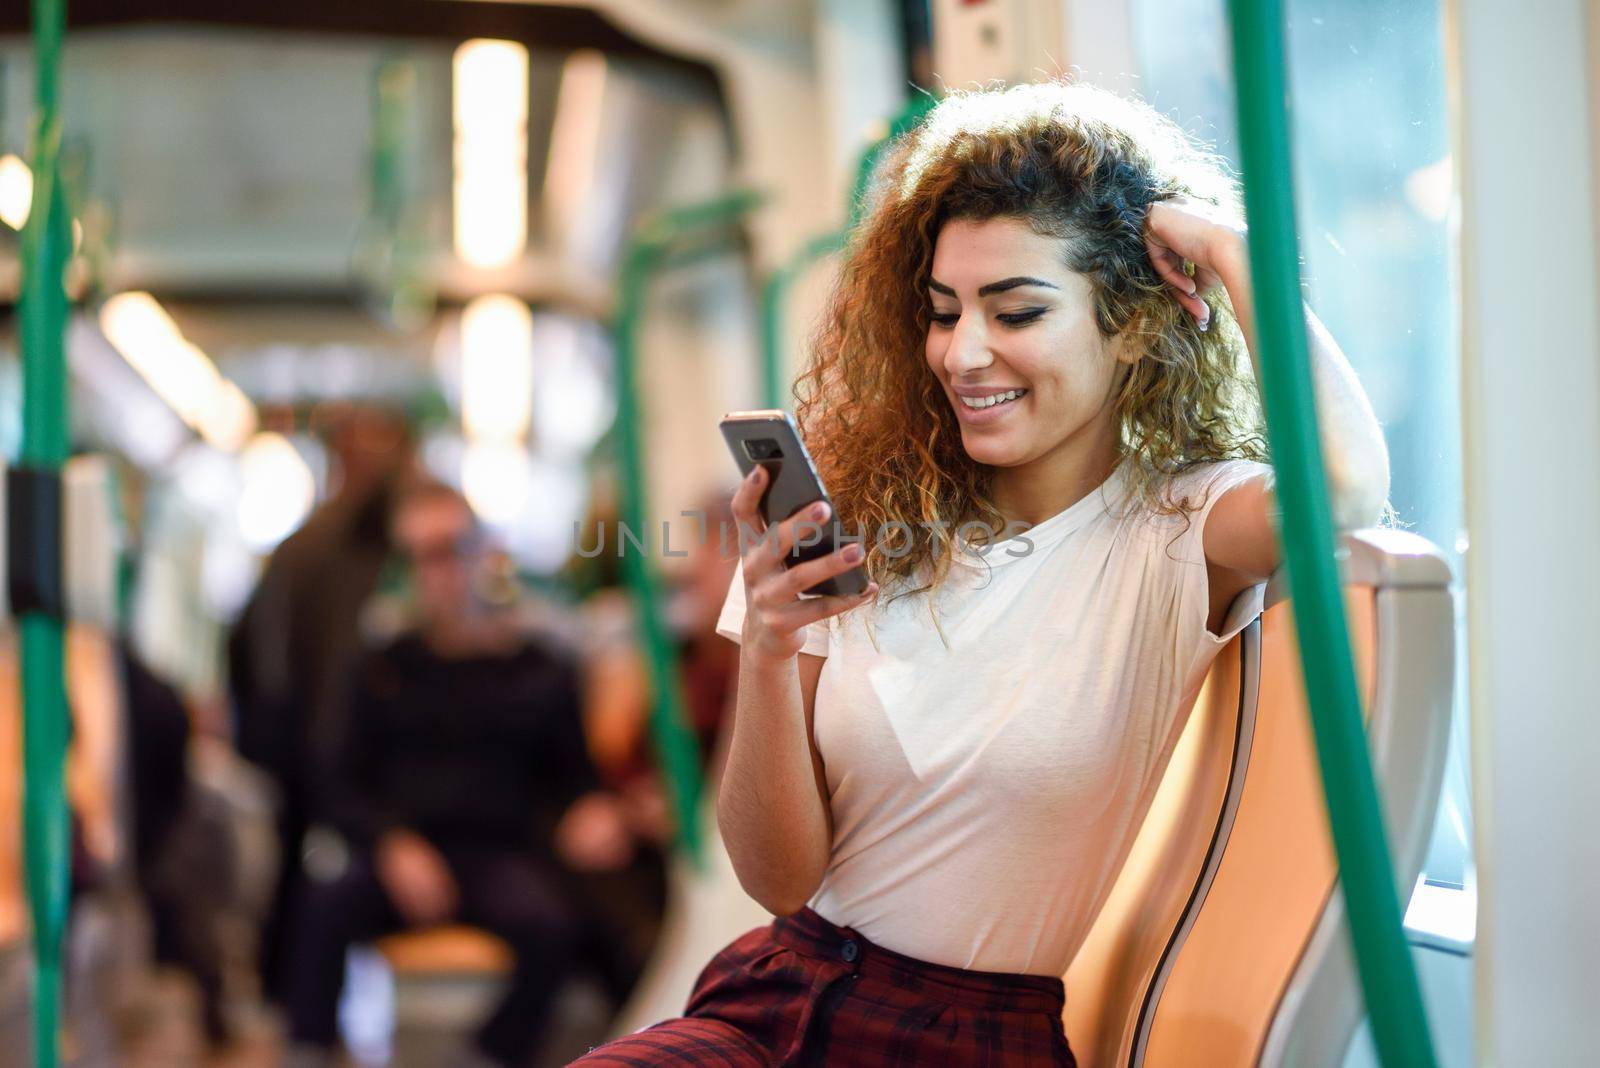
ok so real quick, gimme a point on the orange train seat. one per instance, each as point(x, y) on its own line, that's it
point(1223, 941)
point(452, 949)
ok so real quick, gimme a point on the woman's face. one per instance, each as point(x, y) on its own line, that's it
point(1012, 340)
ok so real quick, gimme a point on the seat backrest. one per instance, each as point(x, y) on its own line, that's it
point(1177, 848)
point(1222, 941)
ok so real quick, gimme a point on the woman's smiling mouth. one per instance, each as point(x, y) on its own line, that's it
point(989, 400)
point(987, 406)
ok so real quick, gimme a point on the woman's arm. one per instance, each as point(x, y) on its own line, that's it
point(1241, 533)
point(772, 807)
point(1353, 449)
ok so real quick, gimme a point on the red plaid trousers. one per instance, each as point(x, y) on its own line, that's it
point(804, 992)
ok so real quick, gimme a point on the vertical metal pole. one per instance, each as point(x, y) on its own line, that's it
point(774, 301)
point(46, 247)
point(391, 92)
point(913, 113)
point(388, 248)
point(677, 750)
point(1366, 874)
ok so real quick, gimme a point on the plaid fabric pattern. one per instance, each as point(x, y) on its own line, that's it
point(803, 992)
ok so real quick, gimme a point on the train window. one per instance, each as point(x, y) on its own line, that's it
point(1377, 241)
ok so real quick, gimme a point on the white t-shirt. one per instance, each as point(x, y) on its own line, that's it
point(985, 794)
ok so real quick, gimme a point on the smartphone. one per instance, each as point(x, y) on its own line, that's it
point(771, 439)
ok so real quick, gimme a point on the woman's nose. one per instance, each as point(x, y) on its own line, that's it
point(969, 347)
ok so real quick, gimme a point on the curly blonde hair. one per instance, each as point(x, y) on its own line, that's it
point(1074, 162)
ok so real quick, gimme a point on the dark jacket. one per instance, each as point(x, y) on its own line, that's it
point(486, 750)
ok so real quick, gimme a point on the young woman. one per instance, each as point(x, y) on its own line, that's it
point(1044, 322)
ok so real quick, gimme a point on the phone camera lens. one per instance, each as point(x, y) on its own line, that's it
point(762, 449)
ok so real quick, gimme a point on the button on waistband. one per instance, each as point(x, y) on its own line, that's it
point(850, 951)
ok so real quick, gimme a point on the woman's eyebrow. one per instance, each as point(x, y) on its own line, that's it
point(1012, 283)
point(994, 287)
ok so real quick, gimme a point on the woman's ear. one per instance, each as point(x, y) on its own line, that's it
point(1125, 346)
point(1132, 343)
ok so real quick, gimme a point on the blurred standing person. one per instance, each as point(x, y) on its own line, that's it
point(183, 860)
point(290, 653)
point(463, 792)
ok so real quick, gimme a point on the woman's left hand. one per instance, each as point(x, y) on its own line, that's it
point(1183, 230)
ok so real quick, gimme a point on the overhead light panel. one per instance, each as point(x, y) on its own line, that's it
point(496, 368)
point(490, 109)
point(496, 480)
point(229, 420)
point(141, 330)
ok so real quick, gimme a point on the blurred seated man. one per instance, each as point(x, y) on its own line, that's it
point(464, 793)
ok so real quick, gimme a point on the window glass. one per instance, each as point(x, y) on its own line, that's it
point(1374, 197)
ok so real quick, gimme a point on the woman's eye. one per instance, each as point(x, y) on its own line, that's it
point(1021, 318)
point(944, 318)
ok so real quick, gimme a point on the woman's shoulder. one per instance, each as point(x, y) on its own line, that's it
point(1166, 509)
point(1196, 485)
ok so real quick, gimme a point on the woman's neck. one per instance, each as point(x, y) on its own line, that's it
point(1033, 492)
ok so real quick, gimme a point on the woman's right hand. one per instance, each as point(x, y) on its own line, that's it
point(775, 617)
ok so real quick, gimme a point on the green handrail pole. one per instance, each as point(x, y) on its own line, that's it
point(676, 751)
point(1388, 980)
point(386, 179)
point(774, 295)
point(774, 302)
point(46, 246)
point(667, 226)
point(913, 113)
point(649, 253)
